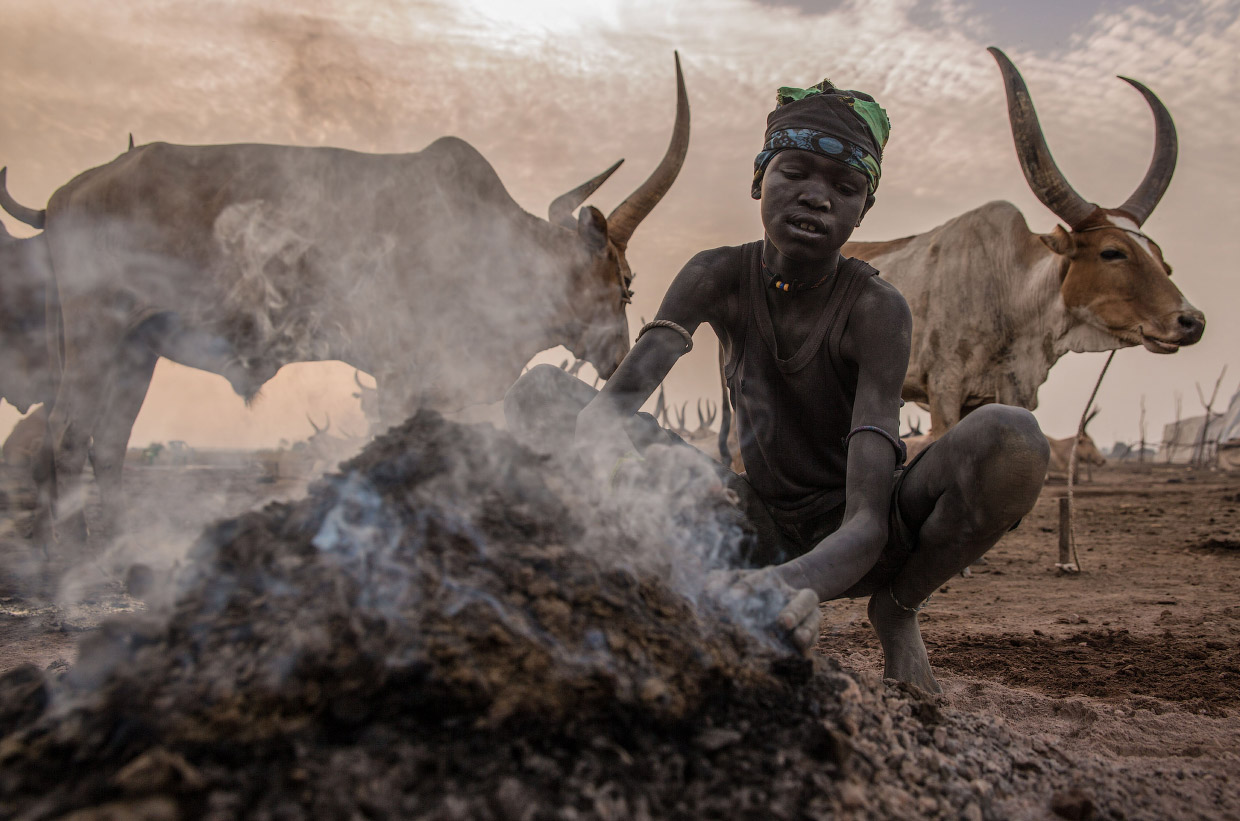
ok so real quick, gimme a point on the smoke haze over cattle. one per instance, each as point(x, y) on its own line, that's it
point(555, 97)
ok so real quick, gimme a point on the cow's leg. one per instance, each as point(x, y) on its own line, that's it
point(92, 341)
point(944, 400)
point(966, 491)
point(69, 431)
point(126, 391)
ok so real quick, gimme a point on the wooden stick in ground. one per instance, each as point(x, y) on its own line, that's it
point(1074, 566)
point(1065, 538)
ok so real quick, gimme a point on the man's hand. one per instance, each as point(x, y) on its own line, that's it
point(600, 443)
point(753, 595)
point(802, 619)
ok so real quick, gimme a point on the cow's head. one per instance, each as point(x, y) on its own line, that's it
point(1087, 452)
point(25, 375)
point(601, 285)
point(1114, 277)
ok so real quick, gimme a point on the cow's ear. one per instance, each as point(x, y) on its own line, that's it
point(1059, 241)
point(592, 228)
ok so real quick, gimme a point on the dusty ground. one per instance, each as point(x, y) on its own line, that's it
point(1130, 667)
point(1136, 660)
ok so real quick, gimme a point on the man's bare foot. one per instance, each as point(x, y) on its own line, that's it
point(904, 653)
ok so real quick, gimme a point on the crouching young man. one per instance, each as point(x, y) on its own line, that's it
point(817, 347)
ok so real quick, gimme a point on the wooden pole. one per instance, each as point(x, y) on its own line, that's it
point(1065, 562)
point(1074, 566)
point(1141, 451)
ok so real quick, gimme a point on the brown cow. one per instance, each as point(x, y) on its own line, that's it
point(995, 305)
point(418, 268)
point(1087, 452)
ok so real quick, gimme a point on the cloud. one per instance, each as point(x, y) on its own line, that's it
point(550, 106)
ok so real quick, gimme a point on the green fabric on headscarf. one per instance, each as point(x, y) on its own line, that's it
point(875, 117)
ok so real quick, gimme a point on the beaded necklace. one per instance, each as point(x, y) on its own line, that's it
point(793, 287)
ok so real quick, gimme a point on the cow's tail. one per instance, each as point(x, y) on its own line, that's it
point(725, 418)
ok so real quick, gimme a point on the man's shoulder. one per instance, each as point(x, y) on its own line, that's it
point(725, 257)
point(877, 292)
point(880, 307)
point(716, 271)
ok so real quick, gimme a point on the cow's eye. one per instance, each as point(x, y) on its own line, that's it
point(1113, 254)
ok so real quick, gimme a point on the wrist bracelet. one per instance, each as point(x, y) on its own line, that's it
point(667, 323)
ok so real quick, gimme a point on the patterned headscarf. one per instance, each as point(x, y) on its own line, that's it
point(845, 126)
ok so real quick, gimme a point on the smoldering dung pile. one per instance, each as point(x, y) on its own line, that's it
point(450, 629)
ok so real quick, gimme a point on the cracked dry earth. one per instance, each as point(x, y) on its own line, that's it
point(382, 649)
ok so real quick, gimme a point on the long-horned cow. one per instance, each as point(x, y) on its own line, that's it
point(1087, 452)
point(417, 268)
point(995, 305)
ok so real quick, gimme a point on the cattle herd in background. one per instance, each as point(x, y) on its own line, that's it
point(422, 271)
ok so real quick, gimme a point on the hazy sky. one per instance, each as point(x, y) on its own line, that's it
point(553, 91)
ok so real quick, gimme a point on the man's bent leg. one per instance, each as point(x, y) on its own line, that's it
point(977, 481)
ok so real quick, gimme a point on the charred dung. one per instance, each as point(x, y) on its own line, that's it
point(451, 627)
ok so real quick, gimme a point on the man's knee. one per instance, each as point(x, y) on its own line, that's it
point(1009, 435)
point(1009, 455)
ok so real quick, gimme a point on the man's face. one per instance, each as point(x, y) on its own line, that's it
point(811, 204)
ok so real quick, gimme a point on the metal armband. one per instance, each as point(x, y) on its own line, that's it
point(667, 323)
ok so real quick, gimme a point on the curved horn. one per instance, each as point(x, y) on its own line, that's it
point(562, 207)
point(1166, 147)
point(1044, 177)
point(357, 377)
point(311, 421)
point(33, 218)
point(624, 220)
point(701, 418)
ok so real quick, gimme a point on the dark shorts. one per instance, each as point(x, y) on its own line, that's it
point(780, 536)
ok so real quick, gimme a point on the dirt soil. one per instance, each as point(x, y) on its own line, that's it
point(382, 649)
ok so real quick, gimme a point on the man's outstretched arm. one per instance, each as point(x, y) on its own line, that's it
point(695, 296)
point(877, 340)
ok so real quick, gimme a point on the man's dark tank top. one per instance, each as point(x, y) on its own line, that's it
point(793, 414)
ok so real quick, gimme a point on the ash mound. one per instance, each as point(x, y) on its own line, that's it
point(452, 627)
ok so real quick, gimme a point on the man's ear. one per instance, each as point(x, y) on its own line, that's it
point(1059, 241)
point(869, 203)
point(592, 228)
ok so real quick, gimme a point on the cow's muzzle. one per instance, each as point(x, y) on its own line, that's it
point(1186, 328)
